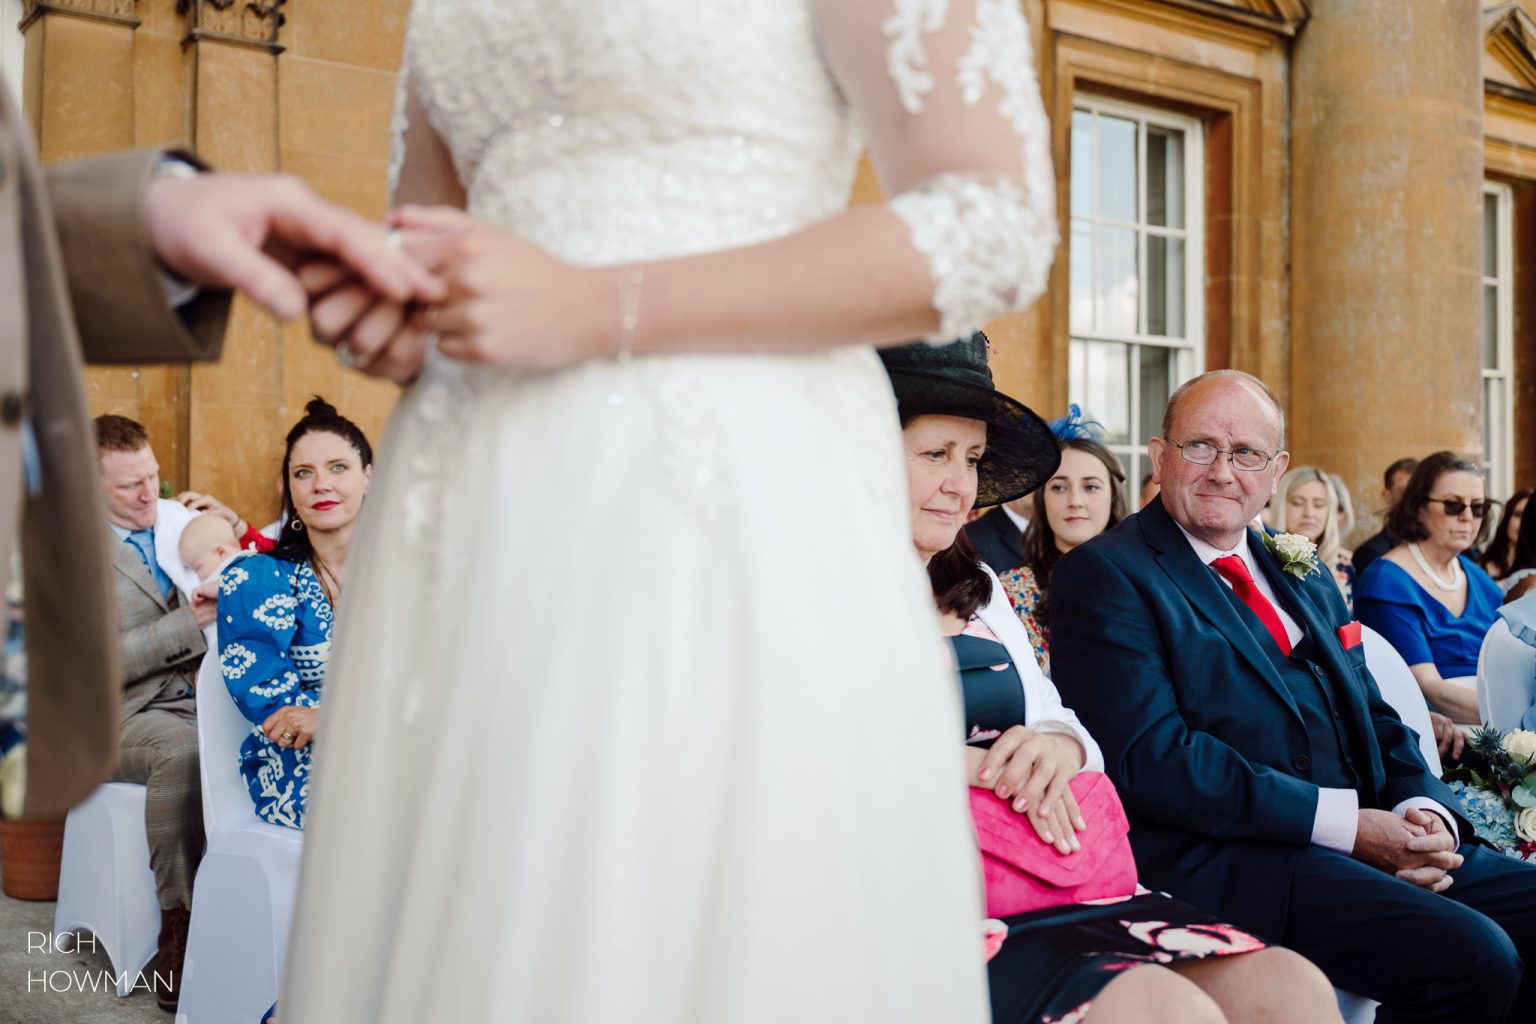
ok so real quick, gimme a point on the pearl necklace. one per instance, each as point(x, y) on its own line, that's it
point(1457, 576)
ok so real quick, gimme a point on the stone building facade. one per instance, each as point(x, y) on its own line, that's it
point(1335, 195)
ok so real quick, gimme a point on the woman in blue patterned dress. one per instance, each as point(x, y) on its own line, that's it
point(276, 610)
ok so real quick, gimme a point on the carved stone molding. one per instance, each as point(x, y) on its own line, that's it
point(1280, 16)
point(117, 11)
point(1509, 35)
point(245, 22)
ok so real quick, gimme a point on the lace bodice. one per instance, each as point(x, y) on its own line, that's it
point(643, 129)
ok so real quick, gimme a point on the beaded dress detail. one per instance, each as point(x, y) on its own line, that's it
point(621, 642)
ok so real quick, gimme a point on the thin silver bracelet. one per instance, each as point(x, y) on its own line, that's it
point(632, 279)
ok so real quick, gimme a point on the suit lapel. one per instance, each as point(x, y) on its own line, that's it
point(1006, 533)
point(1201, 587)
point(126, 560)
point(1327, 652)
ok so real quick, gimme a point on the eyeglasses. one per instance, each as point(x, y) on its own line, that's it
point(1455, 506)
point(1249, 460)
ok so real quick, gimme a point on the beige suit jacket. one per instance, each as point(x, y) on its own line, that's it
point(160, 643)
point(77, 276)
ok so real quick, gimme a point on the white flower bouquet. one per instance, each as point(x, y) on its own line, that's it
point(1296, 554)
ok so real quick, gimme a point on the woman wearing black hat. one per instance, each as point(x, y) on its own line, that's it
point(1139, 957)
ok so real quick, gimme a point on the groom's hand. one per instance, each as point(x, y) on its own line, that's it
point(1417, 851)
point(249, 231)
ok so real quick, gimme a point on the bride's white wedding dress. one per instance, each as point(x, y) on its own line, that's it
point(638, 712)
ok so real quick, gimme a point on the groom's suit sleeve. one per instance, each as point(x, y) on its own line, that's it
point(116, 285)
point(1110, 660)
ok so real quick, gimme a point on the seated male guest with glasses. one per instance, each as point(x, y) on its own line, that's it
point(1426, 596)
point(1267, 781)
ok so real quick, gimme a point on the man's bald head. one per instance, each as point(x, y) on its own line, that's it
point(1195, 386)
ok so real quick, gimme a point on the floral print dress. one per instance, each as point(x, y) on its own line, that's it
point(274, 640)
point(1051, 964)
point(1024, 591)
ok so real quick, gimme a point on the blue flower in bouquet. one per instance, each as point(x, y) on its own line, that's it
point(1488, 814)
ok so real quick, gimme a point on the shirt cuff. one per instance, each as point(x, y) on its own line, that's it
point(1337, 819)
point(1426, 804)
point(178, 291)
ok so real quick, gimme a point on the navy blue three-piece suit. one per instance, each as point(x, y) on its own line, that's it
point(1218, 743)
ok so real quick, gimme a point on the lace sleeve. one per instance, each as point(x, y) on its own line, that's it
point(947, 95)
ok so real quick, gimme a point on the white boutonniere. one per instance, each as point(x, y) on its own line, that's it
point(1296, 554)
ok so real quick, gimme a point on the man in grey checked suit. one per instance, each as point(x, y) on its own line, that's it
point(161, 641)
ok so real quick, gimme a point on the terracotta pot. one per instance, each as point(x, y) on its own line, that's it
point(29, 858)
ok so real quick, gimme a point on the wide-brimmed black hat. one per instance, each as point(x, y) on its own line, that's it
point(954, 380)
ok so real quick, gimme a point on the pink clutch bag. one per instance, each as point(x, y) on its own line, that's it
point(1024, 874)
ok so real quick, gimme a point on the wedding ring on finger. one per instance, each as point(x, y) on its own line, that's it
point(392, 238)
point(288, 736)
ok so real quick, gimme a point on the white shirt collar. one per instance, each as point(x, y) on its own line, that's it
point(1208, 553)
point(1018, 520)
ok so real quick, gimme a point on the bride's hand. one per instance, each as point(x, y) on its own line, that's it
point(509, 302)
point(381, 335)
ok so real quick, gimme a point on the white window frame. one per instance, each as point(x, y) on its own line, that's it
point(1499, 459)
point(11, 44)
point(1191, 348)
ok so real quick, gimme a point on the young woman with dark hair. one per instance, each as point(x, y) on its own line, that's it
point(1500, 559)
point(1084, 498)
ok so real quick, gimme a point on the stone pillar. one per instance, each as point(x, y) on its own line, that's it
point(83, 95)
point(1386, 171)
point(230, 51)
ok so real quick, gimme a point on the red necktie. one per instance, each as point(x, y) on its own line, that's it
point(1235, 571)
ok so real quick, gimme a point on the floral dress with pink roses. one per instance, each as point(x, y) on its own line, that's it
point(1053, 963)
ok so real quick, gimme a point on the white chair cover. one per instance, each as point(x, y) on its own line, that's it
point(1401, 690)
point(1355, 1009)
point(242, 902)
point(105, 884)
point(1506, 678)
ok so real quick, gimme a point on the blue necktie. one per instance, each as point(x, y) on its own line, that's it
point(143, 542)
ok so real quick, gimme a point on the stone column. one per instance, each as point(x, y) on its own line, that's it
point(235, 405)
point(1386, 171)
point(83, 95)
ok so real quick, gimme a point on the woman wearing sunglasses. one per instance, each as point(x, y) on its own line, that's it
point(1427, 597)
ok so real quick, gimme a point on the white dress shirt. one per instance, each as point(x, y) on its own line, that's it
point(1020, 521)
point(1338, 810)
